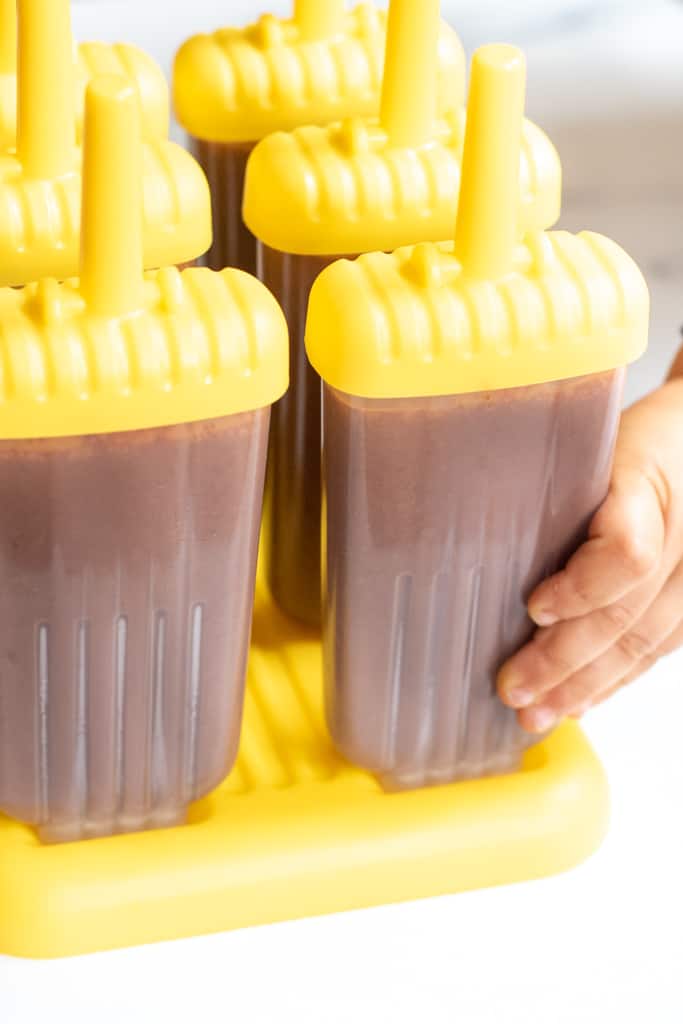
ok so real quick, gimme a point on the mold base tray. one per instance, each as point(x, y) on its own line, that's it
point(297, 832)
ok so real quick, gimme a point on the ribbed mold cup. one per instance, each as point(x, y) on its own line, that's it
point(471, 403)
point(40, 183)
point(320, 193)
point(236, 86)
point(132, 457)
point(91, 59)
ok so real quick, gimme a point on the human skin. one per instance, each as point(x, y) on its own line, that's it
point(617, 607)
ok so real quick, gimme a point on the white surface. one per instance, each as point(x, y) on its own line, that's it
point(603, 943)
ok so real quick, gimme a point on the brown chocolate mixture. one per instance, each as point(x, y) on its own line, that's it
point(443, 514)
point(225, 166)
point(127, 567)
point(294, 461)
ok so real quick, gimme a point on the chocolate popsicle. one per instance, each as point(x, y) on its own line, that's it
point(320, 193)
point(471, 403)
point(237, 85)
point(132, 456)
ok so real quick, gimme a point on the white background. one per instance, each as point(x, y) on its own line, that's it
point(605, 942)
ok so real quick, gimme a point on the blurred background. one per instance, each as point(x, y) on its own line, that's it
point(605, 81)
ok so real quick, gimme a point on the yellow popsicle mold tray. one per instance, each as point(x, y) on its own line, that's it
point(295, 831)
point(40, 183)
point(347, 188)
point(116, 352)
point(324, 64)
point(486, 312)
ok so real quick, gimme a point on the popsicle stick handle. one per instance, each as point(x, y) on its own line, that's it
point(8, 36)
point(111, 218)
point(318, 19)
point(409, 92)
point(46, 126)
point(488, 210)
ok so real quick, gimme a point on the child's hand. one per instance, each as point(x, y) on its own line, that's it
point(618, 606)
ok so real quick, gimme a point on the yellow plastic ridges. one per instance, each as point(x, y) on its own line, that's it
point(486, 313)
point(367, 184)
point(91, 59)
point(324, 64)
point(121, 352)
point(40, 185)
point(95, 58)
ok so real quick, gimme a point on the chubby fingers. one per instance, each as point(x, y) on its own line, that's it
point(557, 654)
point(624, 548)
point(630, 655)
point(604, 591)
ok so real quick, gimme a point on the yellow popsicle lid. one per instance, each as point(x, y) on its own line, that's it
point(366, 184)
point(485, 313)
point(40, 184)
point(120, 351)
point(322, 65)
point(91, 59)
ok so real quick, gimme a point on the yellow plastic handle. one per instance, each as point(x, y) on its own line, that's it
point(318, 19)
point(46, 116)
point(487, 223)
point(409, 92)
point(8, 36)
point(111, 220)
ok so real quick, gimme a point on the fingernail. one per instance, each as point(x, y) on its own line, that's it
point(544, 618)
point(543, 719)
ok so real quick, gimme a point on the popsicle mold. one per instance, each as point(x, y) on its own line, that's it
point(40, 184)
point(379, 183)
point(134, 419)
point(113, 351)
point(463, 386)
point(488, 311)
point(348, 188)
point(415, 323)
point(92, 58)
point(325, 63)
point(319, 193)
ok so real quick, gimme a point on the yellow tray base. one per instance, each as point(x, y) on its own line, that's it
point(295, 831)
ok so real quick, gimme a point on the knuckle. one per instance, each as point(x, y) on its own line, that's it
point(636, 647)
point(619, 617)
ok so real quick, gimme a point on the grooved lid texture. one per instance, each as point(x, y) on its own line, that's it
point(239, 85)
point(413, 323)
point(201, 345)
